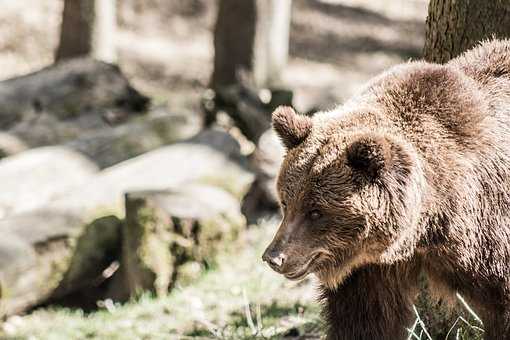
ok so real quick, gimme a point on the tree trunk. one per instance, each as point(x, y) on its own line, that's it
point(272, 42)
point(234, 37)
point(88, 29)
point(455, 26)
point(250, 36)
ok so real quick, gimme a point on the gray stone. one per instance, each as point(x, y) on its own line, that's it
point(32, 178)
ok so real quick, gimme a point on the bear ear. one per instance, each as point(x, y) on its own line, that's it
point(291, 127)
point(370, 155)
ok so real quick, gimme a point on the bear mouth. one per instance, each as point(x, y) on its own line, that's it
point(302, 272)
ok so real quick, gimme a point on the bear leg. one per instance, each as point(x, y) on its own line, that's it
point(374, 302)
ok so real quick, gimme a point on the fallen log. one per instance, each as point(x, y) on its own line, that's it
point(249, 108)
point(112, 145)
point(67, 90)
point(212, 157)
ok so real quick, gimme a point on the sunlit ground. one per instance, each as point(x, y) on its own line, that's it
point(239, 298)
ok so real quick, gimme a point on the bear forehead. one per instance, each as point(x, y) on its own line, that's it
point(311, 164)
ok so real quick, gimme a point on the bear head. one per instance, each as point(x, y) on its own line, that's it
point(350, 195)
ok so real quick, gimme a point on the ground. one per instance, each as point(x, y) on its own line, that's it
point(239, 298)
point(214, 306)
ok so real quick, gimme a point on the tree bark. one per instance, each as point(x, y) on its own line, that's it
point(88, 29)
point(272, 42)
point(455, 26)
point(234, 37)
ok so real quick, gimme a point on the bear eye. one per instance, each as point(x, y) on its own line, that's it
point(315, 215)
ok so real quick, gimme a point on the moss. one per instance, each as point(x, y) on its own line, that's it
point(215, 233)
point(151, 241)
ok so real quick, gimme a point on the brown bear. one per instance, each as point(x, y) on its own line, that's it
point(410, 177)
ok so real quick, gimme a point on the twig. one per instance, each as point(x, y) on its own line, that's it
point(422, 324)
point(469, 309)
point(259, 319)
point(247, 312)
point(411, 330)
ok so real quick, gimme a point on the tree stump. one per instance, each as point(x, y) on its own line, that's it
point(166, 229)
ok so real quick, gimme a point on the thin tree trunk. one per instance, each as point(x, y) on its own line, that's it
point(272, 42)
point(88, 29)
point(234, 37)
point(453, 26)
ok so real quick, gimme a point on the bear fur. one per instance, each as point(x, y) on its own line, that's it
point(410, 177)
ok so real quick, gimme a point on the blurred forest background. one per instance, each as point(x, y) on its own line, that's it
point(137, 163)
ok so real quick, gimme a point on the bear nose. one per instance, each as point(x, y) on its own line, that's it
point(274, 258)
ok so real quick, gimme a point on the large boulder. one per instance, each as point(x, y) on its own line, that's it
point(32, 178)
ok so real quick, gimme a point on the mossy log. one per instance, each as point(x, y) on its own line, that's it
point(47, 254)
point(166, 229)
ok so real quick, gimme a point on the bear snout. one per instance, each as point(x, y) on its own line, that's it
point(274, 258)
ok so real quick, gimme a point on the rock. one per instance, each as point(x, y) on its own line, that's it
point(109, 146)
point(262, 198)
point(212, 157)
point(68, 90)
point(165, 229)
point(10, 145)
point(48, 253)
point(34, 177)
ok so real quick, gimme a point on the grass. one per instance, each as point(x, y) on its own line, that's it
point(238, 299)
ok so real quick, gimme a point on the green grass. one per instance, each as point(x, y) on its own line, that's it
point(239, 299)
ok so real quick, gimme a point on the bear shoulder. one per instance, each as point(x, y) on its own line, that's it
point(490, 59)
